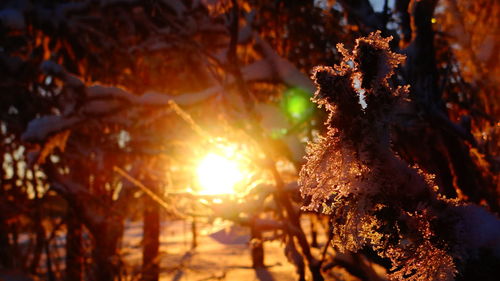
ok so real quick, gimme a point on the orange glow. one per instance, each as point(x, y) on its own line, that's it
point(219, 172)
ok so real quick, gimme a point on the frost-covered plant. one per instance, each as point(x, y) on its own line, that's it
point(373, 197)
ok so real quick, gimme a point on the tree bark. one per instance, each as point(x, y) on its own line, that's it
point(106, 241)
point(257, 248)
point(314, 232)
point(194, 233)
point(40, 235)
point(151, 241)
point(74, 250)
point(5, 248)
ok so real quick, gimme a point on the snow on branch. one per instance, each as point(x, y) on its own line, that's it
point(375, 198)
point(40, 128)
point(282, 68)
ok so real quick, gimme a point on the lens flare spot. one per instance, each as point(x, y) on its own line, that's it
point(218, 175)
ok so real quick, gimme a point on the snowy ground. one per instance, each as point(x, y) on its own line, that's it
point(222, 253)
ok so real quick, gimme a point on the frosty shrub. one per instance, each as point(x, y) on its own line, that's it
point(373, 197)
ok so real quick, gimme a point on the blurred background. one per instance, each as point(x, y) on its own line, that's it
point(148, 140)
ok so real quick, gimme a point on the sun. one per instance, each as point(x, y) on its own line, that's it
point(218, 174)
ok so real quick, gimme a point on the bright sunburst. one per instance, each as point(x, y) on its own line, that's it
point(218, 174)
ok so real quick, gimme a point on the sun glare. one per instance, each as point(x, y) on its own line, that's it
point(218, 175)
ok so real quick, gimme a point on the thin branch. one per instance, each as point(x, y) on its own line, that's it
point(150, 193)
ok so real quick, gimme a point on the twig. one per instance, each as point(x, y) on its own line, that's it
point(172, 211)
point(188, 119)
point(325, 249)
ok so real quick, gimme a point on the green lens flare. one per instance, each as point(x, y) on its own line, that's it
point(296, 103)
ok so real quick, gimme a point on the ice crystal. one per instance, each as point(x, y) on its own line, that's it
point(374, 60)
point(373, 197)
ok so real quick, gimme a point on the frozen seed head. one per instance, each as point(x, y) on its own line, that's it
point(335, 87)
point(374, 60)
point(371, 62)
